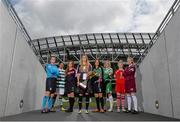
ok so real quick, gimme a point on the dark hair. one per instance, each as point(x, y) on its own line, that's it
point(97, 59)
point(61, 63)
point(67, 69)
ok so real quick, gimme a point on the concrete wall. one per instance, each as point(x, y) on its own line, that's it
point(160, 72)
point(21, 75)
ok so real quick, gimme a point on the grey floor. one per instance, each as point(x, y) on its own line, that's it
point(62, 116)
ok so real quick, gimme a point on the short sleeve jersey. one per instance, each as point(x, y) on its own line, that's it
point(107, 71)
point(98, 71)
point(83, 71)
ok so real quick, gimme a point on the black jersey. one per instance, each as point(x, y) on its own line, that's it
point(83, 72)
point(71, 75)
point(70, 81)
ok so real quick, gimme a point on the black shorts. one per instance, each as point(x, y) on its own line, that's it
point(97, 88)
point(70, 87)
point(51, 85)
point(104, 84)
point(81, 90)
point(88, 90)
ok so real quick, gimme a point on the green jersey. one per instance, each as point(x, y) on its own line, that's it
point(107, 72)
point(98, 71)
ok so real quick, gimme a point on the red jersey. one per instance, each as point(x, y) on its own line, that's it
point(120, 82)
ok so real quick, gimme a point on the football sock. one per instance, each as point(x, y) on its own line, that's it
point(102, 102)
point(97, 103)
point(118, 101)
point(135, 102)
point(129, 102)
point(50, 101)
point(87, 102)
point(80, 102)
point(44, 101)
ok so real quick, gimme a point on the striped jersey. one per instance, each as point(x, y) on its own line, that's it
point(61, 79)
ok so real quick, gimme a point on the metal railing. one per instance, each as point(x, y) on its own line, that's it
point(20, 25)
point(160, 29)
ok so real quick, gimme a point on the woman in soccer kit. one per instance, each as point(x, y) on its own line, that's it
point(130, 85)
point(83, 82)
point(70, 84)
point(97, 84)
point(60, 87)
point(52, 73)
point(87, 81)
point(120, 87)
point(108, 73)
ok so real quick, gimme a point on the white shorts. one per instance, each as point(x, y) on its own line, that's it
point(60, 91)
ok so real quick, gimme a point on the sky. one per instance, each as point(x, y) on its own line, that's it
point(44, 18)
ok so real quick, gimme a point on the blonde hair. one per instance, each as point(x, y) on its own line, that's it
point(87, 60)
point(107, 64)
point(120, 61)
point(131, 59)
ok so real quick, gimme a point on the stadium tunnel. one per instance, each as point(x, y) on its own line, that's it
point(156, 55)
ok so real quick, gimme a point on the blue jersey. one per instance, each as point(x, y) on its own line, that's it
point(52, 71)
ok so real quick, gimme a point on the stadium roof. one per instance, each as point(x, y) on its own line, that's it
point(111, 46)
